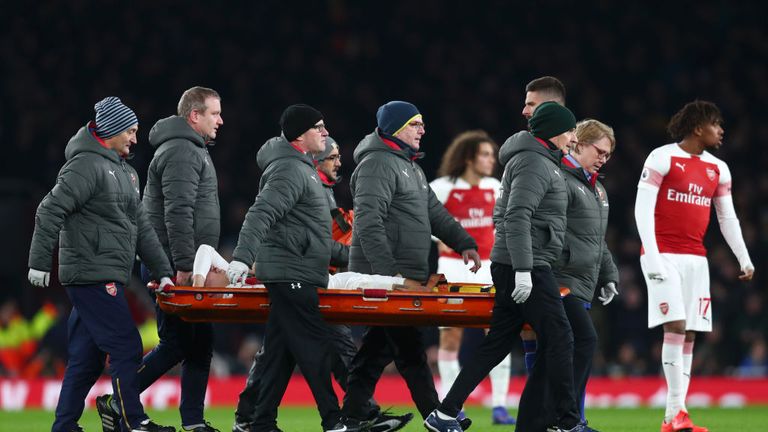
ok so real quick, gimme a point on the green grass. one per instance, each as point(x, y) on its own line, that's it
point(300, 419)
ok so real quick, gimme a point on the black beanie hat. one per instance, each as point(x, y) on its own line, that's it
point(297, 119)
point(550, 119)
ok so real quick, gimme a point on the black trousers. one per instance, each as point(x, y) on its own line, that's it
point(584, 344)
point(296, 334)
point(380, 346)
point(190, 344)
point(341, 359)
point(544, 312)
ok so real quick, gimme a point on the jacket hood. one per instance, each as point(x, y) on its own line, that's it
point(84, 141)
point(279, 148)
point(373, 143)
point(173, 127)
point(524, 141)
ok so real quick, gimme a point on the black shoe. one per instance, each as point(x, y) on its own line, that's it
point(577, 428)
point(465, 423)
point(110, 419)
point(241, 427)
point(350, 425)
point(204, 428)
point(151, 426)
point(385, 422)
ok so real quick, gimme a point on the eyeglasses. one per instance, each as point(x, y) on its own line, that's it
point(601, 154)
point(417, 124)
point(319, 127)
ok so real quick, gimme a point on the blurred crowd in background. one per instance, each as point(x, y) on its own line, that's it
point(464, 65)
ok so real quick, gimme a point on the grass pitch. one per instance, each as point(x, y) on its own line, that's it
point(300, 419)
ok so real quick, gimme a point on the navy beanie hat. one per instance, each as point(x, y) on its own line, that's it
point(297, 119)
point(393, 116)
point(112, 117)
point(550, 119)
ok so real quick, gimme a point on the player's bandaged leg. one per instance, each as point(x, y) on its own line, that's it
point(672, 363)
point(500, 382)
point(352, 280)
point(207, 263)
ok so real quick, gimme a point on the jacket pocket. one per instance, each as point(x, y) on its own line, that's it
point(297, 242)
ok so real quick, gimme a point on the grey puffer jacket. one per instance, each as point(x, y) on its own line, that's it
point(181, 195)
point(529, 214)
point(396, 212)
point(95, 214)
point(585, 263)
point(287, 231)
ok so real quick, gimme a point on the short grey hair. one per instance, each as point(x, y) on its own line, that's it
point(194, 100)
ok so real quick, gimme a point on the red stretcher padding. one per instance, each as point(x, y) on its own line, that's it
point(459, 305)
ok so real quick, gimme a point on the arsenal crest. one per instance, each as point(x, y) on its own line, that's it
point(111, 289)
point(664, 308)
point(711, 173)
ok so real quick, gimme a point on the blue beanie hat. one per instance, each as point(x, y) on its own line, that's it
point(112, 117)
point(393, 116)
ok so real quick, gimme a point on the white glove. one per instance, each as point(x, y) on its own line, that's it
point(164, 283)
point(655, 268)
point(523, 287)
point(607, 293)
point(236, 273)
point(39, 278)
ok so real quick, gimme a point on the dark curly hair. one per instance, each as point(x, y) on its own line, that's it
point(464, 148)
point(692, 115)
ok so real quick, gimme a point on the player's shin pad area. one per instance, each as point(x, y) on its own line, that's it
point(300, 419)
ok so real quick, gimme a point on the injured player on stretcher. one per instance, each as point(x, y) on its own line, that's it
point(210, 270)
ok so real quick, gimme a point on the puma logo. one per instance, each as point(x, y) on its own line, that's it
point(557, 172)
point(459, 196)
point(681, 166)
point(406, 173)
point(314, 178)
point(112, 173)
point(581, 188)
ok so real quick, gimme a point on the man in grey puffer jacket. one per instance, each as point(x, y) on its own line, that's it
point(530, 219)
point(396, 213)
point(95, 214)
point(287, 234)
point(182, 201)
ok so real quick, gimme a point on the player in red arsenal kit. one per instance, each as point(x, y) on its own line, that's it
point(468, 191)
point(678, 185)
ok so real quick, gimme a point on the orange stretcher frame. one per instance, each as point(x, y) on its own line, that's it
point(441, 304)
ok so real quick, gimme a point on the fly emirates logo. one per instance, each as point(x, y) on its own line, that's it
point(476, 219)
point(693, 196)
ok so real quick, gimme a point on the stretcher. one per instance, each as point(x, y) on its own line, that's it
point(437, 303)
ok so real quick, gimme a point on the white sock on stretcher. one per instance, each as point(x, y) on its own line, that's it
point(205, 258)
point(352, 280)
